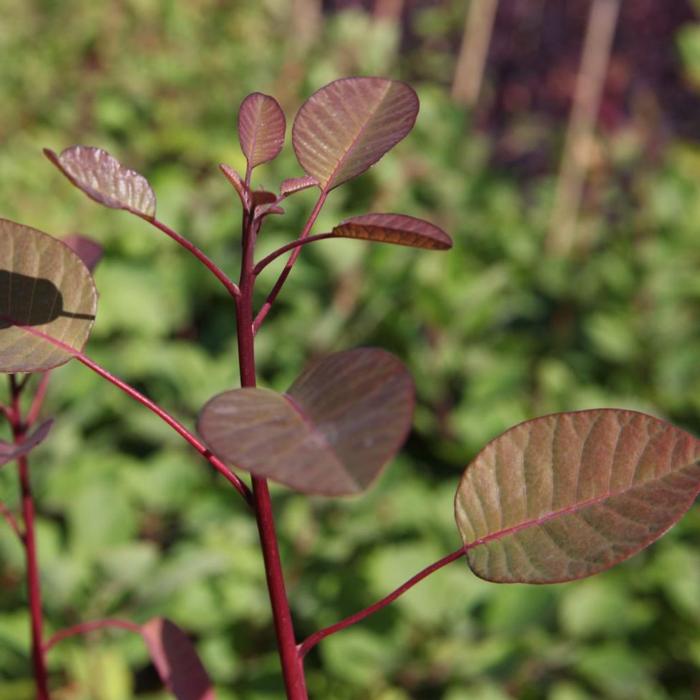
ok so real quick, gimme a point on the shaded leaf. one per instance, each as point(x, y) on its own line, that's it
point(45, 287)
point(348, 125)
point(261, 127)
point(330, 434)
point(237, 181)
point(571, 494)
point(394, 228)
point(295, 184)
point(104, 179)
point(176, 660)
point(261, 197)
point(88, 250)
point(10, 451)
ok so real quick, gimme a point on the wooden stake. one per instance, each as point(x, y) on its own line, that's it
point(579, 142)
point(471, 61)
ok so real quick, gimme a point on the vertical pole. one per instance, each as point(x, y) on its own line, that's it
point(578, 145)
point(471, 61)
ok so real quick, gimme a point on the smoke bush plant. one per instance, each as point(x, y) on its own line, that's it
point(553, 499)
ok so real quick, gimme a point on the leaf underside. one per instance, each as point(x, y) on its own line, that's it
point(261, 127)
point(45, 289)
point(176, 660)
point(103, 178)
point(568, 495)
point(394, 228)
point(11, 451)
point(348, 125)
point(295, 184)
point(331, 434)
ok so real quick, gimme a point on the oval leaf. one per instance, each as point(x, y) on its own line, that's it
point(261, 127)
point(44, 287)
point(104, 179)
point(394, 228)
point(10, 451)
point(176, 661)
point(341, 421)
point(571, 494)
point(348, 125)
point(89, 251)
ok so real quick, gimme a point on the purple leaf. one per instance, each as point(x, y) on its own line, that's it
point(235, 179)
point(89, 251)
point(104, 179)
point(261, 197)
point(45, 286)
point(176, 661)
point(11, 451)
point(341, 421)
point(394, 228)
point(571, 494)
point(348, 125)
point(295, 184)
point(261, 127)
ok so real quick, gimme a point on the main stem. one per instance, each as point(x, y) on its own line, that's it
point(30, 553)
point(292, 668)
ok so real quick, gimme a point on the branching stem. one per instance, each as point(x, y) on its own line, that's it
point(316, 637)
point(290, 263)
point(230, 286)
point(87, 627)
point(285, 248)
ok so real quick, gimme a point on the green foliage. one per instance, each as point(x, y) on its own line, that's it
point(494, 332)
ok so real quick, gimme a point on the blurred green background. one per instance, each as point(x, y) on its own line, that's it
point(132, 524)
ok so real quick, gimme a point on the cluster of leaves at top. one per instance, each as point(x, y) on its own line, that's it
point(553, 499)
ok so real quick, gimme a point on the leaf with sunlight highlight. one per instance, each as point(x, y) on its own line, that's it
point(261, 127)
point(45, 291)
point(348, 125)
point(568, 495)
point(104, 179)
point(394, 228)
point(331, 434)
point(10, 451)
point(176, 661)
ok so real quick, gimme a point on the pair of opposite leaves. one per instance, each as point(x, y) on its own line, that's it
point(553, 499)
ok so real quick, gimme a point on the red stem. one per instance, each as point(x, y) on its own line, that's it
point(290, 264)
point(151, 406)
point(172, 422)
point(11, 521)
point(30, 549)
point(87, 627)
point(292, 669)
point(285, 248)
point(230, 285)
point(38, 400)
point(316, 637)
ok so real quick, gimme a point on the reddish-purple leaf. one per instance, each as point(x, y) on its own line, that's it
point(295, 184)
point(88, 250)
point(340, 422)
point(44, 286)
point(348, 125)
point(237, 181)
point(104, 179)
point(394, 228)
point(571, 494)
point(176, 661)
point(261, 197)
point(10, 451)
point(261, 127)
